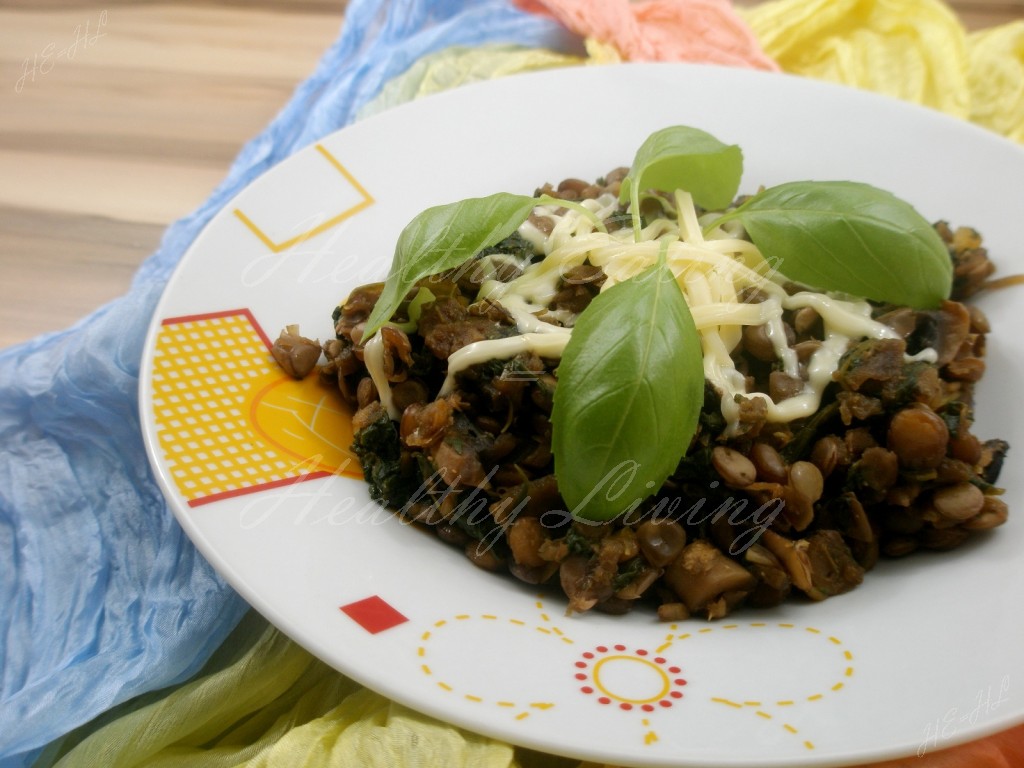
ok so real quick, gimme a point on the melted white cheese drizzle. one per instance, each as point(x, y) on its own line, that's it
point(373, 358)
point(549, 345)
point(710, 271)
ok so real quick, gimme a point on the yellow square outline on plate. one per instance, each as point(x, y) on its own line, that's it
point(362, 204)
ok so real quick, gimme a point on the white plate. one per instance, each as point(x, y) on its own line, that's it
point(925, 654)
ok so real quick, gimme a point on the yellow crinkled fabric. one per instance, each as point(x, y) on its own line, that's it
point(263, 702)
point(911, 49)
point(995, 77)
point(916, 50)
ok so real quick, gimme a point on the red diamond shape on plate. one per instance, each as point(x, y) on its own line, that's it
point(373, 614)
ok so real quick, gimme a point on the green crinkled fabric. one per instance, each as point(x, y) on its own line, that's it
point(461, 65)
point(264, 702)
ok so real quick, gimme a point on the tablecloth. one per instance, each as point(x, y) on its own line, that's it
point(121, 645)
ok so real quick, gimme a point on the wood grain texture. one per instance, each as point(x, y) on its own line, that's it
point(117, 118)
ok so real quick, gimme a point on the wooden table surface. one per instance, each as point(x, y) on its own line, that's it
point(119, 117)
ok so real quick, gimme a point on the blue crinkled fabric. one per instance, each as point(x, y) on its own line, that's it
point(102, 596)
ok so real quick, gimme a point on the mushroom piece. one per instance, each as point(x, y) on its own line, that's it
point(423, 424)
point(397, 354)
point(672, 612)
point(944, 330)
point(773, 583)
point(644, 580)
point(296, 354)
point(583, 591)
point(794, 560)
point(341, 363)
point(723, 606)
point(849, 517)
point(456, 458)
point(701, 575)
point(532, 498)
point(590, 581)
point(820, 565)
point(833, 567)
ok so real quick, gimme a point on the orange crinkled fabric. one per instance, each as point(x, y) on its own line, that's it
point(914, 50)
point(707, 31)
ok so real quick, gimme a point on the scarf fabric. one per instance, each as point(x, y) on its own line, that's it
point(122, 646)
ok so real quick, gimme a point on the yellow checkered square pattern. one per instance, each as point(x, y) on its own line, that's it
point(204, 373)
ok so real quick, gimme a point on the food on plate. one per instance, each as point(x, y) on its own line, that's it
point(649, 391)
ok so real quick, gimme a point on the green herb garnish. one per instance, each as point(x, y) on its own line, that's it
point(687, 158)
point(443, 237)
point(631, 381)
point(630, 388)
point(849, 237)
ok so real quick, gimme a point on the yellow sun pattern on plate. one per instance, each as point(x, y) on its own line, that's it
point(230, 421)
point(661, 672)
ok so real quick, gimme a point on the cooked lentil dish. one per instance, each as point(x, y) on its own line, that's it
point(833, 431)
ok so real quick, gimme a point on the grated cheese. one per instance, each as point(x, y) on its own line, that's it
point(711, 271)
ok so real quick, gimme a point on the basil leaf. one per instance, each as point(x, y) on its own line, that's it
point(630, 388)
point(849, 237)
point(681, 157)
point(443, 237)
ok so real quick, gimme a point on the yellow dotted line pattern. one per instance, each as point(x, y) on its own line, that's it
point(552, 629)
point(759, 707)
point(650, 737)
point(524, 709)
